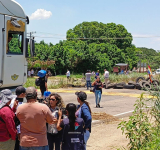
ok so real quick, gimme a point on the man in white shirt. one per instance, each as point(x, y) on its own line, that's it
point(68, 74)
point(88, 78)
point(106, 77)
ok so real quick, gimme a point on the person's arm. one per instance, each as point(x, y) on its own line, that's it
point(6, 115)
point(93, 83)
point(59, 120)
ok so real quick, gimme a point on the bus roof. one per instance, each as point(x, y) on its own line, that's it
point(11, 8)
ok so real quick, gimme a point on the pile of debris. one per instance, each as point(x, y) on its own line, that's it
point(140, 83)
point(104, 117)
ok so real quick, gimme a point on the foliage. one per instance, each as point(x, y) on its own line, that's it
point(90, 45)
point(150, 56)
point(32, 62)
point(15, 45)
point(143, 126)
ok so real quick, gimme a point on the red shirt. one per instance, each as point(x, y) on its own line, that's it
point(7, 129)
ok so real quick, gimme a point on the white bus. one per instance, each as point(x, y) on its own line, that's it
point(13, 44)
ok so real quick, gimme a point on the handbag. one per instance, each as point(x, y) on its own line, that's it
point(93, 90)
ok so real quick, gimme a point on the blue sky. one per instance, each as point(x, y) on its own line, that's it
point(53, 18)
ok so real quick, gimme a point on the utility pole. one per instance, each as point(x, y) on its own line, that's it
point(31, 38)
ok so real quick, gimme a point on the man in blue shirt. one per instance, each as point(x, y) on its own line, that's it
point(97, 74)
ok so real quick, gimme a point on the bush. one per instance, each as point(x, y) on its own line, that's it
point(143, 126)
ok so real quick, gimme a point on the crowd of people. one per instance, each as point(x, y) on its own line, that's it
point(37, 126)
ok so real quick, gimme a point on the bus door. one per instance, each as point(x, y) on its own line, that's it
point(14, 54)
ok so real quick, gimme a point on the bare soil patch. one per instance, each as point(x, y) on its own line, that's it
point(104, 117)
point(107, 137)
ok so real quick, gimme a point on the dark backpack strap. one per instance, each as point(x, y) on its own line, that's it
point(2, 120)
point(0, 117)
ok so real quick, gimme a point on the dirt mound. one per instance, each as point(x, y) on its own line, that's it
point(103, 116)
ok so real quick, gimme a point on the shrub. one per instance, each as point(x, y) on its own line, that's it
point(143, 126)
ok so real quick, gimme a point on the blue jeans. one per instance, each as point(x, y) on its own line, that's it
point(97, 96)
point(35, 148)
point(86, 137)
point(88, 84)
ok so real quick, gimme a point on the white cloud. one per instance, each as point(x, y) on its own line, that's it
point(41, 14)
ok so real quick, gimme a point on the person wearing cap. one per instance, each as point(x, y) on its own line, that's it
point(20, 92)
point(33, 117)
point(84, 112)
point(7, 124)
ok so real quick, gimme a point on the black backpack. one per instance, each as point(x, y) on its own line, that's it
point(38, 82)
point(73, 140)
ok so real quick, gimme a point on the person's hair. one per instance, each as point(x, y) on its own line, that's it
point(20, 90)
point(88, 106)
point(31, 93)
point(99, 79)
point(83, 96)
point(71, 108)
point(60, 102)
point(34, 96)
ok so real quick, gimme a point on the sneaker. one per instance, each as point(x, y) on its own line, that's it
point(99, 105)
point(96, 106)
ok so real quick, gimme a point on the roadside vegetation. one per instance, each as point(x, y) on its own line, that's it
point(143, 127)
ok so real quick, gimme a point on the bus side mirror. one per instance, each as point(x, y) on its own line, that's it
point(26, 52)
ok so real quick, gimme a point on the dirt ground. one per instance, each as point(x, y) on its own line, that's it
point(106, 136)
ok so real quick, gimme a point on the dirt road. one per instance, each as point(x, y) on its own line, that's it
point(107, 137)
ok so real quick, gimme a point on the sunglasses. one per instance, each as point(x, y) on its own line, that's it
point(52, 99)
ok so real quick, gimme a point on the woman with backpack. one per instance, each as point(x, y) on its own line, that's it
point(98, 90)
point(7, 124)
point(54, 102)
point(73, 129)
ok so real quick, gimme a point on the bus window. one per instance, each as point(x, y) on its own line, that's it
point(15, 43)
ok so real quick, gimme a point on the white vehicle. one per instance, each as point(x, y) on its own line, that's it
point(158, 71)
point(13, 44)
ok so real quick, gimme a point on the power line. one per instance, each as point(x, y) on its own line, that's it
point(145, 36)
point(50, 33)
point(116, 38)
